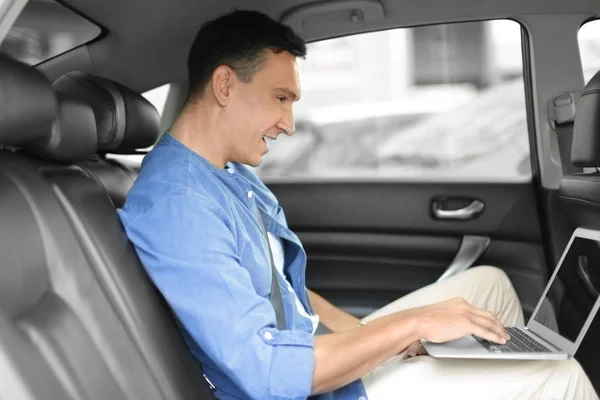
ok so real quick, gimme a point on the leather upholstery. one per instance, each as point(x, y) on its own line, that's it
point(584, 188)
point(67, 323)
point(113, 176)
point(27, 105)
point(580, 196)
point(138, 304)
point(32, 118)
point(79, 318)
point(580, 193)
point(585, 151)
point(125, 120)
point(73, 136)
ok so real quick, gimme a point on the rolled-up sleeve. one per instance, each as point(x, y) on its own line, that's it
point(188, 248)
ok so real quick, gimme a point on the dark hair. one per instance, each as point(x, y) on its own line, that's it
point(240, 40)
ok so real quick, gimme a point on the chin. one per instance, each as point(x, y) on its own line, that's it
point(254, 162)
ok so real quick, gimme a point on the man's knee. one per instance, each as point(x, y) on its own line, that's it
point(491, 276)
point(570, 368)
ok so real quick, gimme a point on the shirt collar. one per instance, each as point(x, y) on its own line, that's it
point(170, 140)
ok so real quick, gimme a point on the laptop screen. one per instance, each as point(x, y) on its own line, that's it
point(580, 273)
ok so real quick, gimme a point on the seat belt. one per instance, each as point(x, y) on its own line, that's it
point(561, 115)
point(322, 329)
point(276, 299)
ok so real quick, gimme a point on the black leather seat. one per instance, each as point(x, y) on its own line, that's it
point(580, 197)
point(580, 193)
point(79, 318)
point(125, 122)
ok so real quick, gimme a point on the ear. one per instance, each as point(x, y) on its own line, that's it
point(222, 82)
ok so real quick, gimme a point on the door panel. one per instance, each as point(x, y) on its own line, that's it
point(364, 271)
point(370, 243)
point(388, 207)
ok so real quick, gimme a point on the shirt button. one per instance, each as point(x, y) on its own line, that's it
point(250, 194)
point(268, 336)
point(362, 398)
point(290, 289)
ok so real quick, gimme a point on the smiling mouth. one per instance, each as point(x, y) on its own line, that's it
point(268, 140)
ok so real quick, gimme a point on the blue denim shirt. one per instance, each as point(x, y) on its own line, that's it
point(195, 230)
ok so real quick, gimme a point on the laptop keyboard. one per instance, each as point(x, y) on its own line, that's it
point(519, 343)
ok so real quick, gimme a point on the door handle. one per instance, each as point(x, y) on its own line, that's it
point(462, 214)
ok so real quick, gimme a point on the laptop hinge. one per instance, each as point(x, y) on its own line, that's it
point(539, 337)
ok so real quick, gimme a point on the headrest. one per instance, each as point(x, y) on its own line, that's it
point(27, 105)
point(74, 132)
point(34, 119)
point(585, 151)
point(125, 120)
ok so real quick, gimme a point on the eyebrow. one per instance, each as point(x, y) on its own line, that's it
point(288, 93)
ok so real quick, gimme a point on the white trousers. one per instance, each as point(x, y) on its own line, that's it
point(424, 377)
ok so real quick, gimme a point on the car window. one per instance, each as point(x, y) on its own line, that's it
point(589, 48)
point(443, 102)
point(158, 97)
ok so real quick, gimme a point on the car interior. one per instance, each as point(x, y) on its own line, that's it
point(474, 142)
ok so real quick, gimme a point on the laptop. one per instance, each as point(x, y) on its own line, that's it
point(541, 339)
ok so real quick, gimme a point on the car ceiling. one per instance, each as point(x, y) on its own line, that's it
point(147, 41)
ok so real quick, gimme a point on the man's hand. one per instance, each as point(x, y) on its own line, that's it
point(454, 318)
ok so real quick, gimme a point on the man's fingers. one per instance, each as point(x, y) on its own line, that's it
point(497, 332)
point(493, 319)
point(487, 334)
point(491, 324)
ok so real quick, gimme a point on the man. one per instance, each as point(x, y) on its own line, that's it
point(193, 215)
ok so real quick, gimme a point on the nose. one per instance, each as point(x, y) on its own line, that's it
point(286, 123)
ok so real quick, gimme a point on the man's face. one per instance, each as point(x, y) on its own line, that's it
point(262, 109)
